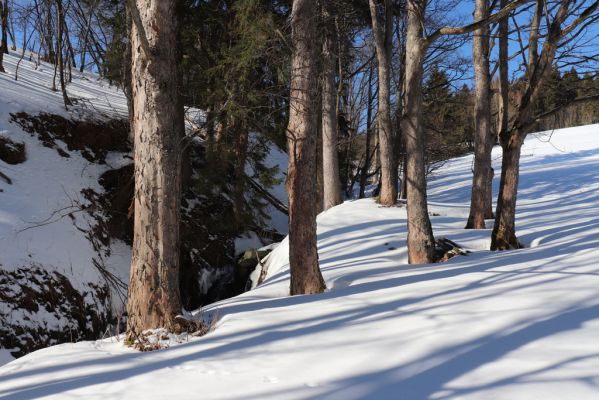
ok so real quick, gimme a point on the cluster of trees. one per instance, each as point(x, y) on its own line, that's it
point(344, 85)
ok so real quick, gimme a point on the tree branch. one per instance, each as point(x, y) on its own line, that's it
point(459, 30)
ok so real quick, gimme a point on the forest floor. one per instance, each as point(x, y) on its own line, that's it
point(489, 325)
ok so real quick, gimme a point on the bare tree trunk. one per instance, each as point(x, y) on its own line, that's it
point(88, 22)
point(2, 23)
point(319, 158)
point(240, 148)
point(481, 201)
point(154, 296)
point(59, 32)
point(330, 159)
point(367, 158)
point(383, 38)
point(421, 243)
point(503, 75)
point(301, 138)
point(504, 230)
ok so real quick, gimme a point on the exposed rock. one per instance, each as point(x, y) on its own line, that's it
point(446, 249)
point(12, 152)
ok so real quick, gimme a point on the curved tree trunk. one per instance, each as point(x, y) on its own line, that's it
point(421, 243)
point(504, 230)
point(301, 138)
point(154, 296)
point(481, 200)
point(330, 159)
point(383, 38)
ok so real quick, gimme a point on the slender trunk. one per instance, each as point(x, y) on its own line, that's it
point(503, 75)
point(4, 41)
point(301, 138)
point(504, 230)
point(421, 243)
point(383, 43)
point(367, 158)
point(59, 32)
point(481, 200)
point(240, 154)
point(2, 24)
point(330, 160)
point(154, 295)
point(51, 58)
point(86, 35)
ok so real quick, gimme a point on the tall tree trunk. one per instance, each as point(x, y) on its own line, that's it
point(240, 148)
point(59, 32)
point(503, 75)
point(504, 229)
point(330, 159)
point(383, 39)
point(481, 200)
point(154, 296)
point(367, 159)
point(301, 138)
point(421, 243)
point(2, 24)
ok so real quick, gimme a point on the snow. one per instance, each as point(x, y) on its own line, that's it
point(491, 325)
point(46, 188)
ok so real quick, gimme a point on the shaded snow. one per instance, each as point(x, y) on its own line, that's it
point(511, 325)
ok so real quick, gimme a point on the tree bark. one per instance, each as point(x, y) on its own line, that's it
point(504, 229)
point(59, 34)
point(367, 158)
point(330, 158)
point(383, 39)
point(503, 75)
point(301, 138)
point(2, 24)
point(421, 243)
point(154, 297)
point(481, 200)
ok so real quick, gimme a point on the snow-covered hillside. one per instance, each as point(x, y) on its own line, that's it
point(510, 325)
point(45, 229)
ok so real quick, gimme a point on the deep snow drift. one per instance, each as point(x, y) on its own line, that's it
point(511, 325)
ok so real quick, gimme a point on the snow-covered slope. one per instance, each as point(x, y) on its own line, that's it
point(44, 229)
point(512, 325)
point(42, 226)
point(46, 185)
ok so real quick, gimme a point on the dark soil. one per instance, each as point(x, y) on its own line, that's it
point(93, 138)
point(41, 308)
point(12, 152)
